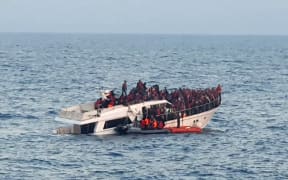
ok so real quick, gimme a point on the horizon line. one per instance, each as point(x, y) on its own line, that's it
point(143, 33)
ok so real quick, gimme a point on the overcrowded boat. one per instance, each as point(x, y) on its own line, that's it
point(143, 110)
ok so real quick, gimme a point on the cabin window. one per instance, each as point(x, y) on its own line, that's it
point(87, 128)
point(115, 122)
point(171, 116)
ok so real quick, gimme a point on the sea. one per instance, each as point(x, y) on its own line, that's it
point(40, 73)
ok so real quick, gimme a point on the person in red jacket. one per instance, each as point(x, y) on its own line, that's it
point(142, 124)
point(219, 91)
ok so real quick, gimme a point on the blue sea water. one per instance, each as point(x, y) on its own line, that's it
point(41, 73)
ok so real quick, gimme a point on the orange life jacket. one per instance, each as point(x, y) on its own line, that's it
point(147, 122)
point(155, 124)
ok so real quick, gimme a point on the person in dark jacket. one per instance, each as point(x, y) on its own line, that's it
point(178, 120)
point(124, 88)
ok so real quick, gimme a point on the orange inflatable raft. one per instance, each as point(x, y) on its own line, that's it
point(185, 129)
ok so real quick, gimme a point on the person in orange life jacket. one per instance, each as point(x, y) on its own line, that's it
point(111, 104)
point(152, 119)
point(155, 124)
point(114, 99)
point(105, 103)
point(111, 100)
point(147, 122)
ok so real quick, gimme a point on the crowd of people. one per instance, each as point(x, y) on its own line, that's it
point(184, 101)
point(151, 123)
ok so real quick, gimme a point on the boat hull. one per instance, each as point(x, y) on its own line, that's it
point(198, 120)
point(87, 120)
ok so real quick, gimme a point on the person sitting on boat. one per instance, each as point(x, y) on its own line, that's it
point(160, 125)
point(111, 104)
point(147, 122)
point(112, 99)
point(105, 103)
point(140, 87)
point(142, 124)
point(155, 124)
point(98, 103)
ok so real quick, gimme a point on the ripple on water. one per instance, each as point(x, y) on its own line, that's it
point(41, 74)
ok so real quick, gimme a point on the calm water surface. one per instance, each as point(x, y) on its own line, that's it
point(41, 73)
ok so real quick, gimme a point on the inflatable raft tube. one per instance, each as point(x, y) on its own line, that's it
point(185, 129)
point(148, 131)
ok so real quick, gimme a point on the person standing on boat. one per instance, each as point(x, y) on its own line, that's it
point(124, 88)
point(178, 119)
point(219, 91)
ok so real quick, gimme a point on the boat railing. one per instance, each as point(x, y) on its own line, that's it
point(185, 112)
point(74, 115)
point(191, 111)
point(201, 108)
point(77, 112)
point(174, 114)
